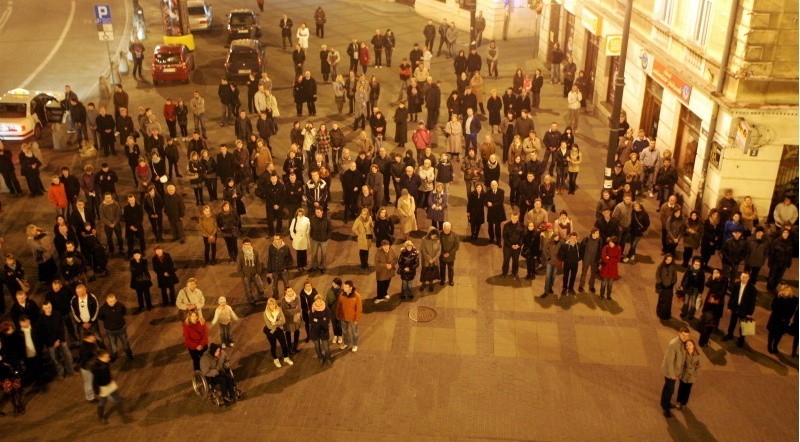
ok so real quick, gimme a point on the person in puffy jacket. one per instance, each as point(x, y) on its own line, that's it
point(407, 265)
point(609, 268)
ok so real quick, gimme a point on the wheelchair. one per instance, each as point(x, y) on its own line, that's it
point(205, 389)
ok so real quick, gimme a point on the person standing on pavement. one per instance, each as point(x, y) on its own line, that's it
point(569, 253)
point(136, 49)
point(784, 306)
point(50, 329)
point(140, 280)
point(279, 260)
point(672, 368)
point(450, 242)
point(286, 30)
point(780, 258)
point(513, 236)
point(275, 321)
point(197, 106)
point(556, 58)
point(319, 318)
point(290, 304)
point(319, 235)
point(195, 337)
point(666, 278)
point(591, 248)
point(175, 210)
point(319, 20)
point(86, 349)
point(574, 99)
point(105, 128)
point(691, 366)
point(133, 217)
point(429, 32)
point(112, 314)
point(385, 264)
point(166, 275)
point(8, 172)
point(741, 305)
point(250, 267)
point(190, 299)
point(378, 41)
point(349, 312)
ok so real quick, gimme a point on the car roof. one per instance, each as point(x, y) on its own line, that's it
point(168, 49)
point(24, 96)
point(242, 11)
point(196, 3)
point(244, 43)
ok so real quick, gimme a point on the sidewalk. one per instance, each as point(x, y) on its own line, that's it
point(497, 362)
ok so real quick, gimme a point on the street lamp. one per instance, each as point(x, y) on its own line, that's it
point(619, 88)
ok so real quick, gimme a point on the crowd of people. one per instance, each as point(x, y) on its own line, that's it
point(298, 198)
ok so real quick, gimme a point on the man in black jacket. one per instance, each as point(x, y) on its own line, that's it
point(124, 125)
point(474, 64)
point(8, 172)
point(175, 211)
point(105, 130)
point(225, 98)
point(433, 101)
point(112, 313)
point(286, 30)
point(550, 140)
point(316, 192)
point(133, 217)
point(275, 200)
point(429, 31)
point(154, 206)
point(734, 251)
point(309, 87)
point(666, 178)
point(84, 309)
point(741, 305)
point(318, 239)
point(51, 332)
point(32, 348)
point(85, 356)
point(570, 254)
point(495, 211)
point(72, 186)
point(105, 180)
point(59, 297)
point(279, 260)
point(513, 233)
point(226, 164)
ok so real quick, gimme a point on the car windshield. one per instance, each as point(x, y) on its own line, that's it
point(197, 10)
point(168, 58)
point(12, 110)
point(242, 20)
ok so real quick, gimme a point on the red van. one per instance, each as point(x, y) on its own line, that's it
point(174, 62)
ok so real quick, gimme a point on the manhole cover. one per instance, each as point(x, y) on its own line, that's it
point(422, 314)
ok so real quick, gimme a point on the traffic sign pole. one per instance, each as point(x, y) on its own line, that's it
point(105, 31)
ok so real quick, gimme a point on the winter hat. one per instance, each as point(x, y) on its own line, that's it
point(222, 300)
point(212, 349)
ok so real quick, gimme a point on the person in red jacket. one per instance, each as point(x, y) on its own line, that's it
point(172, 117)
point(349, 312)
point(421, 138)
point(363, 57)
point(57, 195)
point(195, 337)
point(609, 271)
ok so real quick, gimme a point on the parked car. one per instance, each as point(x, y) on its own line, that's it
point(24, 114)
point(173, 62)
point(244, 57)
point(243, 23)
point(200, 15)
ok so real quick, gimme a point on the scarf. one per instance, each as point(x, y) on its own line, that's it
point(249, 257)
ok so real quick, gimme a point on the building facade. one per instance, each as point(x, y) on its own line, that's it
point(674, 59)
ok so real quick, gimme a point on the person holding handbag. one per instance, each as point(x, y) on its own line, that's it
point(784, 307)
point(741, 305)
point(610, 256)
point(275, 320)
point(430, 250)
point(713, 306)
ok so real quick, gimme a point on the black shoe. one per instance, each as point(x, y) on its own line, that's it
point(544, 295)
point(667, 414)
point(727, 338)
point(591, 289)
point(740, 342)
point(451, 283)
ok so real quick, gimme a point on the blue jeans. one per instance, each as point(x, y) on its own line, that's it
point(350, 333)
point(550, 277)
point(319, 253)
point(253, 288)
point(406, 287)
point(88, 388)
point(225, 334)
point(120, 336)
point(605, 287)
point(65, 365)
point(634, 243)
point(323, 349)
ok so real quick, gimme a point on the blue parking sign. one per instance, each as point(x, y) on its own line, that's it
point(102, 14)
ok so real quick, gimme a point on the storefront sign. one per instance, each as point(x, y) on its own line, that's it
point(672, 81)
point(742, 134)
point(592, 22)
point(613, 45)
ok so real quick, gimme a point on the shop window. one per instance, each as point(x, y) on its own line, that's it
point(686, 146)
point(702, 20)
point(665, 11)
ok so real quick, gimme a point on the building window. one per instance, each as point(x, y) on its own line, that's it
point(702, 21)
point(612, 78)
point(664, 11)
point(686, 146)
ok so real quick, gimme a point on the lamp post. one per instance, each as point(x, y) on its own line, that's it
point(619, 88)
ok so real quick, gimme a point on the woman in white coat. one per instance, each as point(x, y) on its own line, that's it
point(455, 136)
point(302, 36)
point(299, 231)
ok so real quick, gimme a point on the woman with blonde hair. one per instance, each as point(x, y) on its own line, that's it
point(299, 231)
point(30, 166)
point(318, 332)
point(209, 230)
point(364, 229)
point(290, 304)
point(43, 252)
point(195, 337)
point(275, 320)
point(784, 307)
point(749, 215)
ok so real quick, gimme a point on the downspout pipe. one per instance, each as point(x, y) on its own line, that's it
point(718, 90)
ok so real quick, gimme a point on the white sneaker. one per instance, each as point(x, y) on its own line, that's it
point(343, 346)
point(625, 259)
point(379, 300)
point(223, 346)
point(355, 348)
point(340, 340)
point(230, 345)
point(387, 297)
point(277, 363)
point(288, 361)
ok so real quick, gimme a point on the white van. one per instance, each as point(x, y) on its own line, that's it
point(199, 15)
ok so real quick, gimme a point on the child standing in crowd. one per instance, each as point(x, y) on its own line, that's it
point(225, 315)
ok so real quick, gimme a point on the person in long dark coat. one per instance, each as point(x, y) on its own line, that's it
point(495, 212)
point(140, 280)
point(401, 124)
point(666, 278)
point(784, 306)
point(166, 275)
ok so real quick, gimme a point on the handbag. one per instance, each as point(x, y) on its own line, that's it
point(212, 239)
point(107, 390)
point(748, 327)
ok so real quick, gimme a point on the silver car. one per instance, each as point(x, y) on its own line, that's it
point(199, 15)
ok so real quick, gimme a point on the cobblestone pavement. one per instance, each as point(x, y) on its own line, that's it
point(497, 362)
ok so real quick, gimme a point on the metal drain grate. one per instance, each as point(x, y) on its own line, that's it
point(422, 314)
